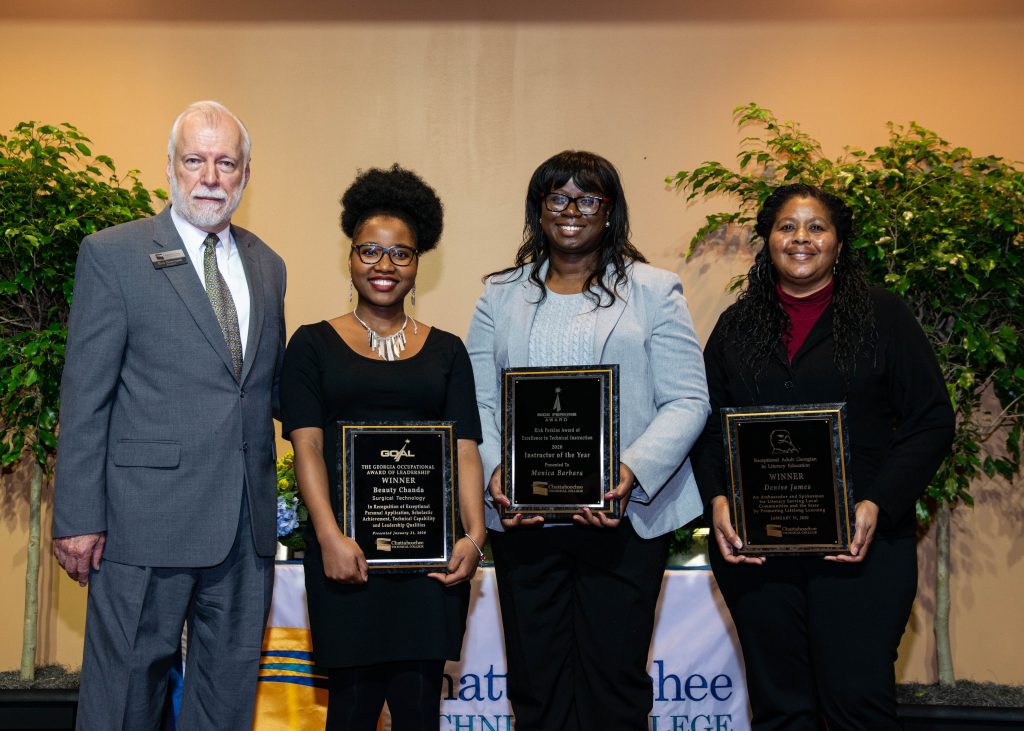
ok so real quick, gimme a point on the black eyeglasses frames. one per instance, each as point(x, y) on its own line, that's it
point(400, 256)
point(588, 205)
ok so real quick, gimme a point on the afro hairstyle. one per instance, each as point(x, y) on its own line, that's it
point(394, 192)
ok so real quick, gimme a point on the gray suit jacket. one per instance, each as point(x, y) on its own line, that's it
point(663, 398)
point(157, 436)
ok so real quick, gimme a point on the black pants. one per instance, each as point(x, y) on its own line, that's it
point(819, 638)
point(412, 689)
point(577, 607)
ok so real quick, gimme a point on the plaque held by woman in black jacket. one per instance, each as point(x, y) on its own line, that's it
point(788, 477)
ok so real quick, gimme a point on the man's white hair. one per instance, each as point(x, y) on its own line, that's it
point(210, 111)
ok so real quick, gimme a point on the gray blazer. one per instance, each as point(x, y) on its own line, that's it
point(157, 436)
point(663, 399)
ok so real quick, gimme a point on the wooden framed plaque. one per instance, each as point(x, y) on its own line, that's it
point(790, 490)
point(560, 429)
point(398, 493)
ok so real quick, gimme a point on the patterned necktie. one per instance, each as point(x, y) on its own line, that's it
point(223, 305)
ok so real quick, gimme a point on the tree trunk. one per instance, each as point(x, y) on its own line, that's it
point(28, 645)
point(943, 653)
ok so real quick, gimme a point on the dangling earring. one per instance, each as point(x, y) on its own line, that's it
point(414, 295)
point(351, 287)
point(762, 271)
point(607, 224)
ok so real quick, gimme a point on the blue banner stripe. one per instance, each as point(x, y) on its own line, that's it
point(294, 667)
point(296, 654)
point(296, 680)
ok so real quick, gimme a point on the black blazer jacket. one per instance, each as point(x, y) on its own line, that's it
point(900, 420)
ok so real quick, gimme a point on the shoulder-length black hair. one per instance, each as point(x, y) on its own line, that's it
point(591, 173)
point(756, 323)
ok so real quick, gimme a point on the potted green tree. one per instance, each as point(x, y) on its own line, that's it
point(944, 229)
point(53, 192)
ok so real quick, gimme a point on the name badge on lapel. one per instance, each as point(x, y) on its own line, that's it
point(162, 259)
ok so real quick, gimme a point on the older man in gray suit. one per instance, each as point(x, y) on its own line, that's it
point(165, 483)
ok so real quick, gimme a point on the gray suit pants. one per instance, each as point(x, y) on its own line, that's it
point(133, 630)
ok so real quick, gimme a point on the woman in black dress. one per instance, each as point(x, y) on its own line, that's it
point(820, 636)
point(384, 637)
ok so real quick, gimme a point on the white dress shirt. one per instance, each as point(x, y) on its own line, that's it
point(229, 261)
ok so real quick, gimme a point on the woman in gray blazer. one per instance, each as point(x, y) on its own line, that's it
point(578, 601)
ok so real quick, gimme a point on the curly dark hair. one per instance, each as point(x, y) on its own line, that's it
point(394, 192)
point(756, 323)
point(592, 173)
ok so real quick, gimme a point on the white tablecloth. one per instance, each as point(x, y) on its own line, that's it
point(698, 678)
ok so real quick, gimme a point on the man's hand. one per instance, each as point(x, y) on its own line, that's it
point(76, 554)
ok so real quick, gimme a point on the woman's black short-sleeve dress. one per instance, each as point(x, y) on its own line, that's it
point(391, 617)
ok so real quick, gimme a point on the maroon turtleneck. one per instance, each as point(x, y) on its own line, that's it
point(803, 313)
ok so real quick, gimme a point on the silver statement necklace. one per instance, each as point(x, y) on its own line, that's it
point(388, 347)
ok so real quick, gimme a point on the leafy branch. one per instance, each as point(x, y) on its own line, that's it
point(53, 192)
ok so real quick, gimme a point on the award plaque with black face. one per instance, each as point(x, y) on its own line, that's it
point(560, 428)
point(397, 484)
point(789, 478)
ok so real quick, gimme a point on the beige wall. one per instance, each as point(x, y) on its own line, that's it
point(474, 103)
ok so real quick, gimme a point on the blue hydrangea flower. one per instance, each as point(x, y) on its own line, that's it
point(287, 520)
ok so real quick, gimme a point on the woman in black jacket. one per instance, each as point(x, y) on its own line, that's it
point(820, 636)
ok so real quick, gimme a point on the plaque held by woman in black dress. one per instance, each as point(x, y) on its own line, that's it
point(788, 477)
point(561, 439)
point(397, 484)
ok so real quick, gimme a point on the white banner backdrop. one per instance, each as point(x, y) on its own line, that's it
point(698, 678)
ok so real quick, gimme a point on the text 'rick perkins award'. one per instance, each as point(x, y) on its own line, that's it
point(560, 427)
point(790, 486)
point(397, 501)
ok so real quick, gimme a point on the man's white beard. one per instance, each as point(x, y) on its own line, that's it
point(204, 215)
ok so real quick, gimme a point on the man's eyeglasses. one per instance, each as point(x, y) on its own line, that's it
point(588, 205)
point(400, 256)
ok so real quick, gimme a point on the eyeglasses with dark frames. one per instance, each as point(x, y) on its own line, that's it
point(588, 205)
point(400, 256)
